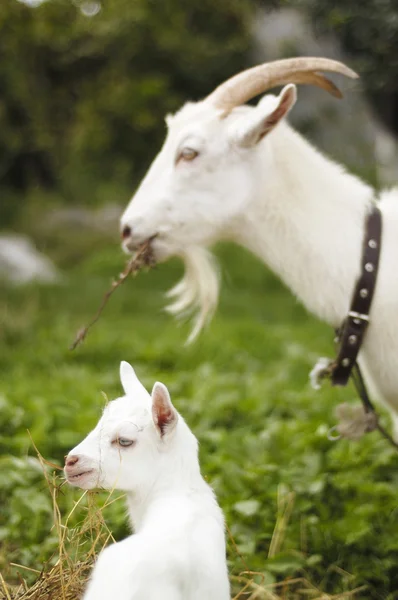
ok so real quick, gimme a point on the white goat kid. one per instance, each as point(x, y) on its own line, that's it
point(240, 173)
point(142, 445)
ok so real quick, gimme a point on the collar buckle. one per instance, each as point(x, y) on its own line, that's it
point(356, 315)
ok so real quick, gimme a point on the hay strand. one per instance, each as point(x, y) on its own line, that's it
point(65, 575)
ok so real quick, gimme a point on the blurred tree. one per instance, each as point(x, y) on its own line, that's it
point(81, 98)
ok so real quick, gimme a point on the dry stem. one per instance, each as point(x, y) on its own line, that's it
point(142, 258)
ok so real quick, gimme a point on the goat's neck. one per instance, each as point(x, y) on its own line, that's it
point(174, 479)
point(306, 223)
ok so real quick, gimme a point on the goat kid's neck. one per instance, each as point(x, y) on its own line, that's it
point(155, 498)
point(306, 223)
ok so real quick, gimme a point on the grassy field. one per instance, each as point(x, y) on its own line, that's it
point(243, 388)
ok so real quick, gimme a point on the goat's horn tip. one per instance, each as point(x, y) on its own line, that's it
point(352, 73)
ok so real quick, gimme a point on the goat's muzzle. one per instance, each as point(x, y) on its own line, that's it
point(75, 470)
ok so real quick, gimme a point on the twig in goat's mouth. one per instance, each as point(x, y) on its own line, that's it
point(142, 258)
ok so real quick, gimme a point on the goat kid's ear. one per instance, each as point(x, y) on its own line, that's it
point(164, 414)
point(261, 120)
point(129, 380)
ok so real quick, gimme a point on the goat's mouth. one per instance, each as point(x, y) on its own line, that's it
point(130, 246)
point(78, 478)
point(157, 247)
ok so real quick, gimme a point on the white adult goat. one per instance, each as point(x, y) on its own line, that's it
point(240, 173)
point(142, 445)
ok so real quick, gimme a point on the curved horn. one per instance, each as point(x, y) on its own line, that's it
point(252, 82)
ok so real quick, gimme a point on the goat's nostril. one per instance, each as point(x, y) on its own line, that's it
point(70, 461)
point(126, 232)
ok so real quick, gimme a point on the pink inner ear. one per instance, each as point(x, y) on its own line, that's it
point(164, 416)
point(277, 114)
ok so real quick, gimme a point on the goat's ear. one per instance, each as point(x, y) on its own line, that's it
point(164, 414)
point(262, 119)
point(130, 382)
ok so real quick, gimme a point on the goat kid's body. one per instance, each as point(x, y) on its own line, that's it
point(142, 446)
point(177, 552)
point(310, 232)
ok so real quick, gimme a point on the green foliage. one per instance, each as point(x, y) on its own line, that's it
point(295, 502)
point(83, 99)
point(81, 102)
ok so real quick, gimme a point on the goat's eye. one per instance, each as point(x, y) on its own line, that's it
point(187, 154)
point(124, 442)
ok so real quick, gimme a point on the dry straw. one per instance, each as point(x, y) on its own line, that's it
point(66, 575)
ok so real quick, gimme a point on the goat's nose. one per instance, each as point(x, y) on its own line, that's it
point(71, 460)
point(126, 232)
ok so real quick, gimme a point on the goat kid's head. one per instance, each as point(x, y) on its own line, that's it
point(133, 441)
point(203, 178)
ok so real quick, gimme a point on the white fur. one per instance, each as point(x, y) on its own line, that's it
point(198, 289)
point(269, 190)
point(178, 549)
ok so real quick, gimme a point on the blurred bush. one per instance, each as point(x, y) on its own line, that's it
point(85, 95)
point(368, 32)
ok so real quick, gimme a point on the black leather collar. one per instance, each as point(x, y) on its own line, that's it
point(351, 334)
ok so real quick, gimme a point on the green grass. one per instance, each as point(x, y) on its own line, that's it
point(243, 388)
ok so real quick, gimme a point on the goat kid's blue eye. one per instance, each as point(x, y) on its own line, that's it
point(125, 442)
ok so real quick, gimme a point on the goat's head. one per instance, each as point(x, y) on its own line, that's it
point(201, 181)
point(138, 437)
